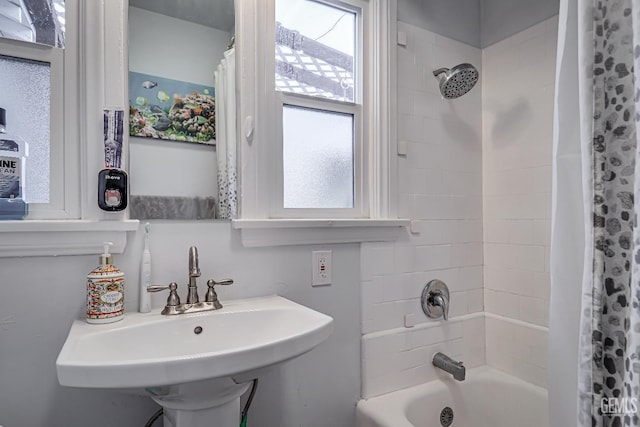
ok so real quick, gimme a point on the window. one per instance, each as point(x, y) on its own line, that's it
point(318, 96)
point(83, 79)
point(315, 49)
point(26, 97)
point(38, 68)
point(317, 158)
point(34, 21)
point(317, 149)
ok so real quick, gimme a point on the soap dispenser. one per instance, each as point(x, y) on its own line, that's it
point(105, 291)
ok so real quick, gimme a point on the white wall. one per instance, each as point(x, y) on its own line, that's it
point(518, 86)
point(39, 298)
point(440, 188)
point(172, 48)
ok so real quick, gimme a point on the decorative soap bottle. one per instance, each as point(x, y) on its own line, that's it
point(13, 155)
point(105, 291)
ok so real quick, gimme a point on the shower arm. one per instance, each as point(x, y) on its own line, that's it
point(439, 71)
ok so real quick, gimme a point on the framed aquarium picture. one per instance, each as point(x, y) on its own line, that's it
point(171, 109)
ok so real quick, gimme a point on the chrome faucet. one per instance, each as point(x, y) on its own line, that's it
point(193, 304)
point(449, 365)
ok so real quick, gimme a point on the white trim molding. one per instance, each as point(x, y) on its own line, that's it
point(62, 237)
point(283, 232)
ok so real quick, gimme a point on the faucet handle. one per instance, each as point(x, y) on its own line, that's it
point(212, 282)
point(435, 300)
point(441, 301)
point(211, 295)
point(157, 288)
point(173, 300)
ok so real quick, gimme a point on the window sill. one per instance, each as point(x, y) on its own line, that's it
point(62, 237)
point(282, 232)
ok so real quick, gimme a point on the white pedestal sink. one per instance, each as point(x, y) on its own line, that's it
point(194, 365)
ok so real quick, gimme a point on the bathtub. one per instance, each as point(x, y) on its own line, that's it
point(487, 398)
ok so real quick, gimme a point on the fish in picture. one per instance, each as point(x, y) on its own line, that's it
point(149, 84)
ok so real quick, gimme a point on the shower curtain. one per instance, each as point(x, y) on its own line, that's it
point(595, 255)
point(225, 84)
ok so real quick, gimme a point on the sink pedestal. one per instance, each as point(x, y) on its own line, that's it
point(200, 404)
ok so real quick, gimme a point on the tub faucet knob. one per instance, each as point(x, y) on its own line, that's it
point(435, 300)
point(442, 302)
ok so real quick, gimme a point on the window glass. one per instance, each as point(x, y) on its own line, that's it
point(315, 46)
point(318, 158)
point(26, 97)
point(35, 21)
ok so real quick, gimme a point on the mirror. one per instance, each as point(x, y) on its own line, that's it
point(182, 109)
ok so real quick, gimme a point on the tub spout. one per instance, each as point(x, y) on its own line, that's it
point(449, 365)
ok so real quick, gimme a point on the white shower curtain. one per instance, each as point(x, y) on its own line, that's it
point(225, 84)
point(595, 263)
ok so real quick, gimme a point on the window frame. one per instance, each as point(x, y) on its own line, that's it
point(255, 221)
point(357, 108)
point(63, 153)
point(95, 75)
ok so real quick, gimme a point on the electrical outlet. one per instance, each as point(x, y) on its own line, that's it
point(321, 268)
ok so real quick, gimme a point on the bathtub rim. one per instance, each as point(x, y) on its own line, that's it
point(386, 407)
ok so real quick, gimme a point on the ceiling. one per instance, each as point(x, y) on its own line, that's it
point(218, 14)
point(479, 23)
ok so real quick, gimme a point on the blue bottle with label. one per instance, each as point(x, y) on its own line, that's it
point(13, 156)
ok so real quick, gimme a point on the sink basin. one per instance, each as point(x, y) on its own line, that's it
point(149, 350)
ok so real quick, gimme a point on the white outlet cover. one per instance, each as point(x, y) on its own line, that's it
point(321, 268)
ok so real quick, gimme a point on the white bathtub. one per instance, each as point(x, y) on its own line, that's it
point(487, 398)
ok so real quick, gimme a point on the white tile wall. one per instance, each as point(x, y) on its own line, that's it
point(476, 180)
point(399, 358)
point(517, 348)
point(518, 84)
point(440, 188)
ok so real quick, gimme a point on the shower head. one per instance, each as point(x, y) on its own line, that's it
point(456, 81)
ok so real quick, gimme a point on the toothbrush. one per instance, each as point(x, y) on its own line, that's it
point(145, 273)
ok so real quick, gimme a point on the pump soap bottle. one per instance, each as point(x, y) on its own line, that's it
point(105, 291)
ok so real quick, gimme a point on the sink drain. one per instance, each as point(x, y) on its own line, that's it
point(197, 330)
point(446, 417)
